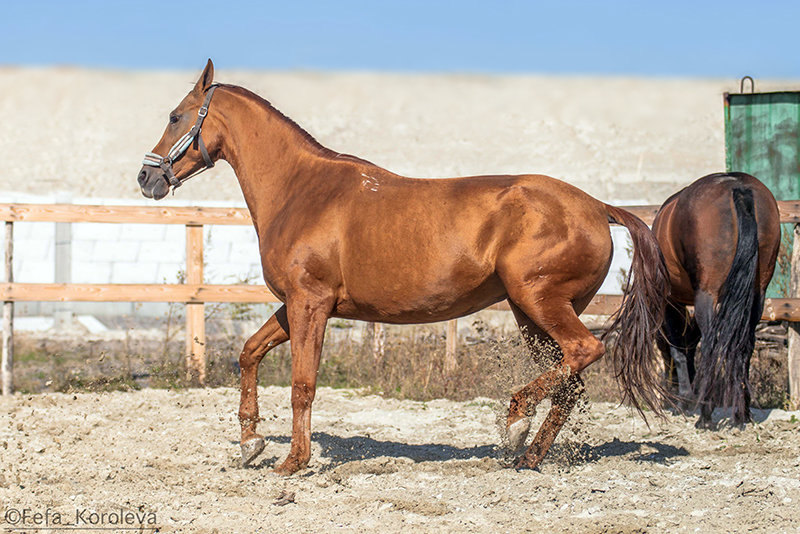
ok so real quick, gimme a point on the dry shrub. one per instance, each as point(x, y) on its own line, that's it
point(490, 364)
point(769, 377)
point(413, 366)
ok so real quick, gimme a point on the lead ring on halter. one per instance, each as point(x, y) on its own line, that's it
point(180, 147)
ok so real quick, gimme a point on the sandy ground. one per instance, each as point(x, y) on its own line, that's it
point(383, 465)
point(620, 139)
point(388, 465)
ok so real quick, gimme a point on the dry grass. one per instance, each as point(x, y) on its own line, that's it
point(489, 365)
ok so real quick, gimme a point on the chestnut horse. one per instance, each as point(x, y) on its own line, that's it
point(720, 238)
point(342, 237)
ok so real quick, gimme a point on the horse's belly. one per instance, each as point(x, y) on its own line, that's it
point(410, 306)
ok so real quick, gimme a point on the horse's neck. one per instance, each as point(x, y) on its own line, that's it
point(270, 156)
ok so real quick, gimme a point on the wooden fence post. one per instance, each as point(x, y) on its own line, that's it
point(794, 328)
point(378, 342)
point(7, 368)
point(451, 344)
point(195, 311)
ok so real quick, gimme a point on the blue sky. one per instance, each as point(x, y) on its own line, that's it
point(667, 38)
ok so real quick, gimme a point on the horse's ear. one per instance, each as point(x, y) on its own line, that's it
point(206, 78)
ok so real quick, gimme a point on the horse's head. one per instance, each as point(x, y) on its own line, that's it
point(181, 153)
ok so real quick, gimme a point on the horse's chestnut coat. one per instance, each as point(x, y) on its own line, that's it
point(342, 237)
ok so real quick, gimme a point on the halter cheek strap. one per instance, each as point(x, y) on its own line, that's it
point(180, 147)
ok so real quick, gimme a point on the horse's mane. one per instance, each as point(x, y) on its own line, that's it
point(307, 137)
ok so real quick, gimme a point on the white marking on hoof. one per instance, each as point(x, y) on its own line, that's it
point(518, 433)
point(251, 449)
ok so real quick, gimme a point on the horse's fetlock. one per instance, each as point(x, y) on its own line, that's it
point(247, 418)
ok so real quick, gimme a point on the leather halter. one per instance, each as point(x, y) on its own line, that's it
point(180, 147)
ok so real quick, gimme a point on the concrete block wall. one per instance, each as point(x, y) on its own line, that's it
point(127, 254)
point(114, 253)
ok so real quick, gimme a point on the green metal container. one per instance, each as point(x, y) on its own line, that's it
point(762, 138)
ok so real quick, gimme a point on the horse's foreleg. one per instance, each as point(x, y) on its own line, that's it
point(307, 322)
point(274, 332)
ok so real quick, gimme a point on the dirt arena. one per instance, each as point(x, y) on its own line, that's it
point(388, 465)
point(171, 458)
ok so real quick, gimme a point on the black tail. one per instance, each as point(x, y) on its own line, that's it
point(639, 320)
point(728, 342)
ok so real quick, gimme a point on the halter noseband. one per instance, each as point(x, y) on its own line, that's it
point(180, 147)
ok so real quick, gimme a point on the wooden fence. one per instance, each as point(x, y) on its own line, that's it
point(194, 293)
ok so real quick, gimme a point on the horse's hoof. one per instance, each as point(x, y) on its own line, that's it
point(285, 471)
point(251, 449)
point(704, 424)
point(518, 433)
point(290, 467)
point(523, 463)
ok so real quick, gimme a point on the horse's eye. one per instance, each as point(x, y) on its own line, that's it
point(173, 119)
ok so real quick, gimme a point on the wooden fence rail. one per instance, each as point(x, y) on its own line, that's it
point(194, 293)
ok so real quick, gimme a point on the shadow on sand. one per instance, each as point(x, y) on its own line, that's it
point(342, 450)
point(637, 451)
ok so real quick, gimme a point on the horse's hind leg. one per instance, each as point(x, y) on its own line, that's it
point(274, 332)
point(684, 384)
point(579, 348)
point(670, 374)
point(677, 348)
point(564, 397)
point(523, 403)
point(704, 311)
point(741, 411)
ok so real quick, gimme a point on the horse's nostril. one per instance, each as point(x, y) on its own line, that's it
point(142, 177)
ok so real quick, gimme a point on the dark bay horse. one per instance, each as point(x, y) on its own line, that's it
point(342, 237)
point(720, 238)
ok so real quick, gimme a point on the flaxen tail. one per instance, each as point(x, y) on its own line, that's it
point(728, 345)
point(638, 321)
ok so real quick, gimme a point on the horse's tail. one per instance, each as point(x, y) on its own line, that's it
point(728, 345)
point(639, 319)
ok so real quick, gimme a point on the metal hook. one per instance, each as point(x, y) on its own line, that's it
point(752, 85)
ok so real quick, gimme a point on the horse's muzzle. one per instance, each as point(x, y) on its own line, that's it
point(153, 182)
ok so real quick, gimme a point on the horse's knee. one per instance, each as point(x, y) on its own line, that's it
point(247, 359)
point(251, 354)
point(583, 353)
